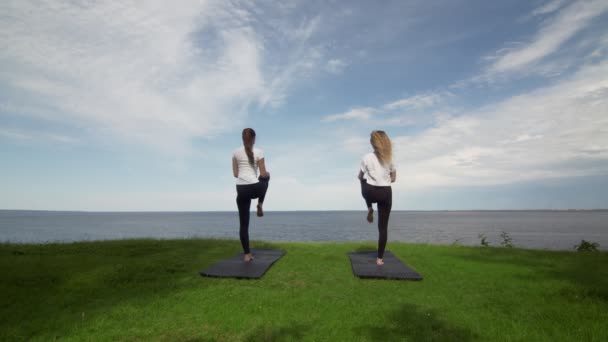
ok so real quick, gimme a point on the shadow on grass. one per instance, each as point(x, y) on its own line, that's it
point(290, 333)
point(188, 339)
point(366, 248)
point(587, 271)
point(263, 245)
point(410, 323)
point(88, 279)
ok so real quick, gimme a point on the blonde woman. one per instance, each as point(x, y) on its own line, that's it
point(376, 175)
point(246, 160)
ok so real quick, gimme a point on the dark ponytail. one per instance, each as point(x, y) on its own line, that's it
point(248, 139)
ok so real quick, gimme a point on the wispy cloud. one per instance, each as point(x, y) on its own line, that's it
point(548, 7)
point(335, 66)
point(37, 137)
point(148, 73)
point(416, 101)
point(364, 113)
point(395, 113)
point(300, 60)
point(556, 131)
point(133, 71)
point(555, 32)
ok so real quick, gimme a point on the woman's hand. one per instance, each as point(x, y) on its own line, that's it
point(393, 176)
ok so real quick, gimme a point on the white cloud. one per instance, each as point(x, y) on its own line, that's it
point(363, 113)
point(301, 60)
point(403, 112)
point(555, 32)
point(15, 134)
point(37, 137)
point(305, 30)
point(548, 7)
point(149, 73)
point(416, 101)
point(556, 131)
point(335, 66)
point(355, 145)
point(313, 195)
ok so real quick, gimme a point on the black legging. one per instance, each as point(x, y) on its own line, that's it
point(383, 195)
point(245, 193)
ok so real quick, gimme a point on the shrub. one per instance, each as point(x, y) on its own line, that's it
point(456, 242)
point(506, 240)
point(484, 240)
point(586, 246)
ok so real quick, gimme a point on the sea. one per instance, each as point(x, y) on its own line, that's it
point(553, 230)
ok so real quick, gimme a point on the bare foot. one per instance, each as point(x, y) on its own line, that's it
point(260, 212)
point(379, 262)
point(370, 215)
point(248, 257)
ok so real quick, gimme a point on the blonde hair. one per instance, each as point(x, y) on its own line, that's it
point(382, 147)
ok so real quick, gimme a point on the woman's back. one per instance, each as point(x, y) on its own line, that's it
point(248, 174)
point(375, 172)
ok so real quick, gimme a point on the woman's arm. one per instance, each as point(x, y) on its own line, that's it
point(262, 167)
point(393, 176)
point(360, 175)
point(235, 168)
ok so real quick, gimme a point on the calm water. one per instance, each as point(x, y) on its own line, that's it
point(529, 229)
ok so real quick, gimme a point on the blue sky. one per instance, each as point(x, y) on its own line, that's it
point(138, 105)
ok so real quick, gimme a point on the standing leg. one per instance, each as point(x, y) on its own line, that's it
point(243, 202)
point(368, 202)
point(384, 212)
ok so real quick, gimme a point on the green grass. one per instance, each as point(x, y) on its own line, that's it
point(142, 290)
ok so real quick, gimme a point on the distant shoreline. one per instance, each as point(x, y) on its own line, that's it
point(299, 211)
point(556, 229)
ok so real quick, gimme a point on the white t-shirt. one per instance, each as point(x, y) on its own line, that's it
point(248, 174)
point(376, 173)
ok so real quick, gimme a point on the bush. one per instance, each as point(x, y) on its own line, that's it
point(484, 240)
point(506, 240)
point(586, 246)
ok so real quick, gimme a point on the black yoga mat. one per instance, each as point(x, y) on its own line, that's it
point(364, 266)
point(235, 267)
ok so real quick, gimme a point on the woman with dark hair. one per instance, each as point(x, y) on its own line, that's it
point(376, 174)
point(246, 161)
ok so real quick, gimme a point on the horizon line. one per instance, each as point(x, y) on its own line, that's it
point(311, 210)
